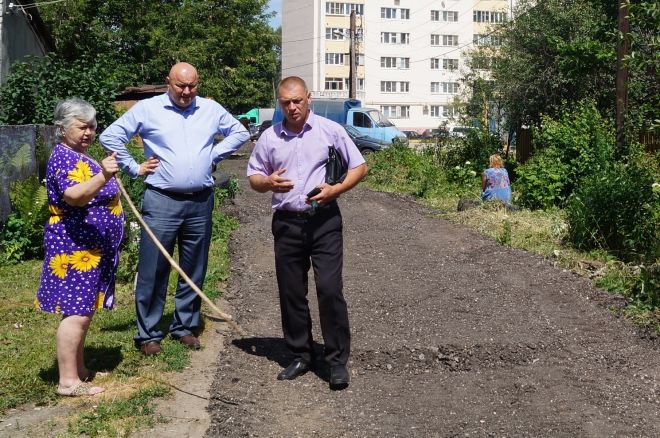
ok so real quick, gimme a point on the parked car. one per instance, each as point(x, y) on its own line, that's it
point(365, 143)
point(461, 131)
point(264, 125)
point(412, 134)
point(435, 133)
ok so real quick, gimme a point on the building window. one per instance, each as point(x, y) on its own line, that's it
point(450, 40)
point(334, 83)
point(395, 14)
point(340, 8)
point(336, 33)
point(388, 13)
point(489, 17)
point(394, 38)
point(435, 63)
point(450, 87)
point(388, 62)
point(486, 40)
point(360, 84)
point(334, 8)
point(436, 110)
point(447, 16)
point(394, 62)
point(448, 111)
point(450, 64)
point(395, 111)
point(444, 40)
point(388, 86)
point(335, 58)
point(444, 87)
point(391, 87)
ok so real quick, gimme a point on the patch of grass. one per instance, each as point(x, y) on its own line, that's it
point(28, 366)
point(118, 418)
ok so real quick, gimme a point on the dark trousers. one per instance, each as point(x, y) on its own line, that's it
point(300, 243)
point(174, 219)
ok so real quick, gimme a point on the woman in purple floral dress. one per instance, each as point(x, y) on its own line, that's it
point(81, 241)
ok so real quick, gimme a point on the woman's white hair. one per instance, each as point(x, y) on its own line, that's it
point(69, 110)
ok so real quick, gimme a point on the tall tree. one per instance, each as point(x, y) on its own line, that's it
point(229, 41)
point(643, 63)
point(555, 51)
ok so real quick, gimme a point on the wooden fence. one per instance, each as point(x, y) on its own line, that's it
point(651, 141)
point(524, 149)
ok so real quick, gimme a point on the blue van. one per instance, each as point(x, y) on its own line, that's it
point(369, 121)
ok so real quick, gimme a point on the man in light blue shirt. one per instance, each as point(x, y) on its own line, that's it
point(178, 131)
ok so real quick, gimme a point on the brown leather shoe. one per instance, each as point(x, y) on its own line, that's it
point(190, 341)
point(150, 348)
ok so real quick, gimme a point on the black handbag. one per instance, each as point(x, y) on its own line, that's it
point(336, 168)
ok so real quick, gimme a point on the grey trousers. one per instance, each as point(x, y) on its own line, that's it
point(174, 219)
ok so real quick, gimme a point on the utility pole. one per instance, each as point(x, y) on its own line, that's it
point(352, 72)
point(622, 78)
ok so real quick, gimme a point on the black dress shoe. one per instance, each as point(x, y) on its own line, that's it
point(338, 377)
point(297, 368)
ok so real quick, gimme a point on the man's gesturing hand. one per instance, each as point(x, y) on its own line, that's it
point(277, 183)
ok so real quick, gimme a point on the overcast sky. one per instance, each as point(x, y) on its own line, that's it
point(276, 5)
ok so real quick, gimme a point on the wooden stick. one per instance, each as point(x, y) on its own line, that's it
point(174, 264)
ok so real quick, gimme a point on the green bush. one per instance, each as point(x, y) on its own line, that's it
point(579, 143)
point(476, 147)
point(463, 174)
point(618, 209)
point(36, 85)
point(540, 181)
point(22, 234)
point(396, 166)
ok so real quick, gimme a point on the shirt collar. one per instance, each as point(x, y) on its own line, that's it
point(281, 130)
point(167, 103)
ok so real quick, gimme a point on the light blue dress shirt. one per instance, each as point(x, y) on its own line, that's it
point(182, 139)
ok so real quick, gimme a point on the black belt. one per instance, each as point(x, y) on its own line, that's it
point(179, 194)
point(307, 214)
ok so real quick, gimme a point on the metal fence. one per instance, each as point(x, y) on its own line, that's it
point(24, 151)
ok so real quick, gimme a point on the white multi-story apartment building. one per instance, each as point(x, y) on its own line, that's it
point(410, 53)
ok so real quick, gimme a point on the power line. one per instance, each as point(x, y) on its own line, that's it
point(33, 5)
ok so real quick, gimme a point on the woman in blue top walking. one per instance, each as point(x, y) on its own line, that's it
point(495, 181)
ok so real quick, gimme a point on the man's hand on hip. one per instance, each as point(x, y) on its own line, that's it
point(148, 166)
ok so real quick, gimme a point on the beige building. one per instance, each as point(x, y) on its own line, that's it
point(410, 53)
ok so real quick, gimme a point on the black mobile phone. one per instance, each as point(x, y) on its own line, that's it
point(315, 191)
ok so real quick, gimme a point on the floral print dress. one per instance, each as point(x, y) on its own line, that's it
point(497, 185)
point(81, 243)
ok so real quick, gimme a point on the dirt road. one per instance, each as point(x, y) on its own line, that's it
point(453, 335)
